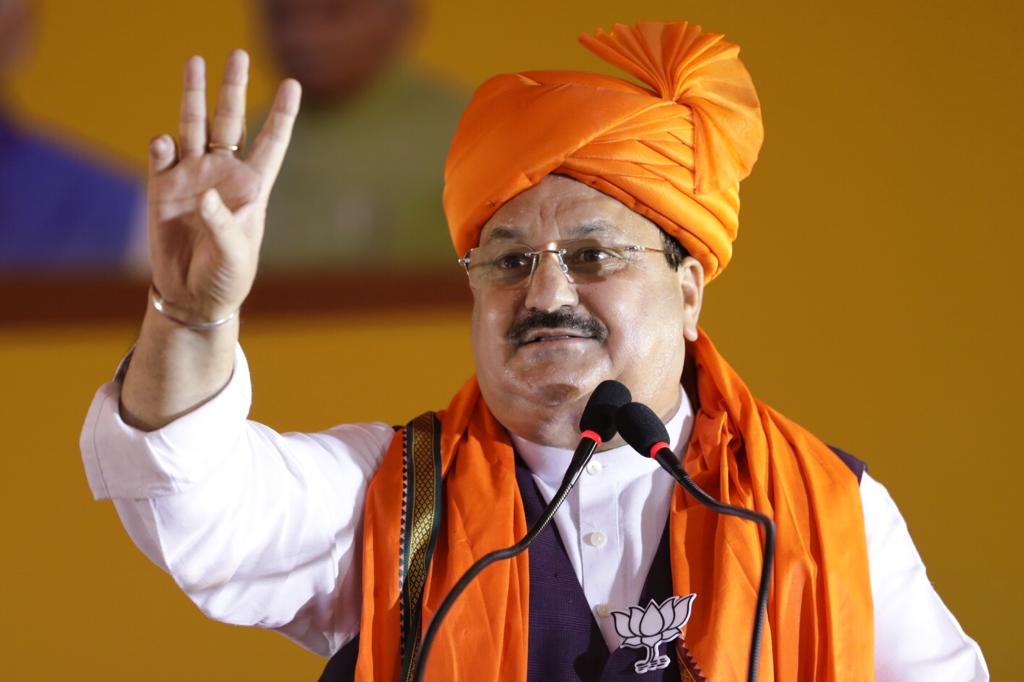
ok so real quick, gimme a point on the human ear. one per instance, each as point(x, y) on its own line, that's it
point(691, 282)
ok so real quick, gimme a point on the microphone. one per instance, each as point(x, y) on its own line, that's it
point(597, 425)
point(642, 429)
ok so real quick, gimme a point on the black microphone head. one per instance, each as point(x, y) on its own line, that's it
point(599, 414)
point(640, 427)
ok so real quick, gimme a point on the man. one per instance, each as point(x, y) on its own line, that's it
point(362, 185)
point(591, 212)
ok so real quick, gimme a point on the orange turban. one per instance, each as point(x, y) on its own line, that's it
point(674, 151)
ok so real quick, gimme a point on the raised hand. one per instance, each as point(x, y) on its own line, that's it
point(206, 214)
point(207, 202)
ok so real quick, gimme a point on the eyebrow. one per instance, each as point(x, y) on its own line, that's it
point(599, 226)
point(596, 227)
point(505, 233)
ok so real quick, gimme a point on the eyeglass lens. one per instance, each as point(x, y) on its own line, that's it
point(513, 264)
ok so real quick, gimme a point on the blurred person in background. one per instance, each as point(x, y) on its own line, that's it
point(362, 184)
point(60, 209)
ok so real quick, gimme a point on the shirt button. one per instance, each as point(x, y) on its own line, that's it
point(603, 610)
point(597, 539)
point(594, 468)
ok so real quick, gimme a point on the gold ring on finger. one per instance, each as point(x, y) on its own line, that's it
point(215, 146)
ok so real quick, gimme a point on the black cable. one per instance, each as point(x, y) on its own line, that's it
point(669, 462)
point(642, 429)
point(579, 460)
point(597, 425)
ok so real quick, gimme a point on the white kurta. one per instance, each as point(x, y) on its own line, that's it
point(261, 528)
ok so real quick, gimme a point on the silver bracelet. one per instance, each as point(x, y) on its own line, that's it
point(161, 308)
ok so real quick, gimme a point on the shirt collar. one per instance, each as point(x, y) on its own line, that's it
point(549, 463)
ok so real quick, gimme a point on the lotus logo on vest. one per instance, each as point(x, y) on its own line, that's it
point(651, 627)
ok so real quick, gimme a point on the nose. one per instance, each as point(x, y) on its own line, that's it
point(549, 287)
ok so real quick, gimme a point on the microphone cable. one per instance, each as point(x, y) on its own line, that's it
point(642, 429)
point(597, 424)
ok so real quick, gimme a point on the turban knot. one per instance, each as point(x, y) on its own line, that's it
point(673, 149)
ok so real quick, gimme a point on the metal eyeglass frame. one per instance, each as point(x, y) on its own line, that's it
point(559, 254)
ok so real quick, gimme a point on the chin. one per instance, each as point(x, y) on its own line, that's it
point(553, 394)
point(553, 386)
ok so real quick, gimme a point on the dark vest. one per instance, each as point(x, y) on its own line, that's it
point(565, 642)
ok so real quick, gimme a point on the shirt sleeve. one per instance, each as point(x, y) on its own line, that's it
point(917, 639)
point(257, 527)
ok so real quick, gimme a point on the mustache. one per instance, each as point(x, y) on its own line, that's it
point(559, 319)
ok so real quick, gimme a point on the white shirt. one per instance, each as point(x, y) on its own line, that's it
point(261, 528)
point(612, 521)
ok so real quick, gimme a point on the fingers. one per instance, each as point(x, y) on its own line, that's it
point(229, 119)
point(221, 224)
point(192, 125)
point(270, 145)
point(214, 213)
point(161, 154)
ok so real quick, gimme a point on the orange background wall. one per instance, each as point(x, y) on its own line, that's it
point(875, 297)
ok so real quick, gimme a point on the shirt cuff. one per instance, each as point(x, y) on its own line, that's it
point(124, 462)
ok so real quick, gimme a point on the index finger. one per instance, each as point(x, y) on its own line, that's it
point(272, 141)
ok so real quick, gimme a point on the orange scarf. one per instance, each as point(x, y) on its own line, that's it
point(819, 624)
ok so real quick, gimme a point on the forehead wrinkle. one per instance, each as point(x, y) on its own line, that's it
point(597, 227)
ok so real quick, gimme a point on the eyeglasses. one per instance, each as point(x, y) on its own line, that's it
point(581, 261)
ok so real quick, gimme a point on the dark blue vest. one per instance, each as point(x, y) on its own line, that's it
point(565, 642)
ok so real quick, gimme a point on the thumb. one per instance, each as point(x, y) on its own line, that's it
point(214, 213)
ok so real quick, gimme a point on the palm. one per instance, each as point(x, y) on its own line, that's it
point(204, 263)
point(186, 256)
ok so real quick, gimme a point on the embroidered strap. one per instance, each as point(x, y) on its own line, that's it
point(421, 520)
point(689, 671)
